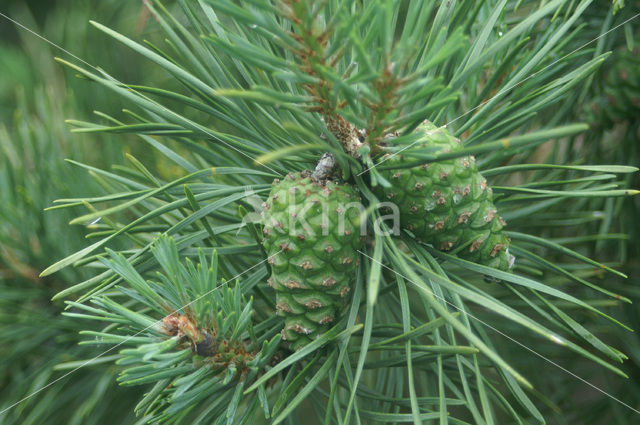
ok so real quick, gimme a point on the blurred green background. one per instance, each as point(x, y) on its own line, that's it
point(36, 96)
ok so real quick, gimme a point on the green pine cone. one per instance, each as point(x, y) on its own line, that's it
point(448, 203)
point(312, 235)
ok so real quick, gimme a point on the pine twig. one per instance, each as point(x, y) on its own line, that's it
point(315, 62)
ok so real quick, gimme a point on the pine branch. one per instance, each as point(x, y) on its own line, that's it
point(207, 342)
point(266, 77)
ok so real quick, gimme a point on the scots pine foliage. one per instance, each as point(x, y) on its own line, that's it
point(608, 227)
point(264, 88)
point(199, 317)
point(611, 109)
